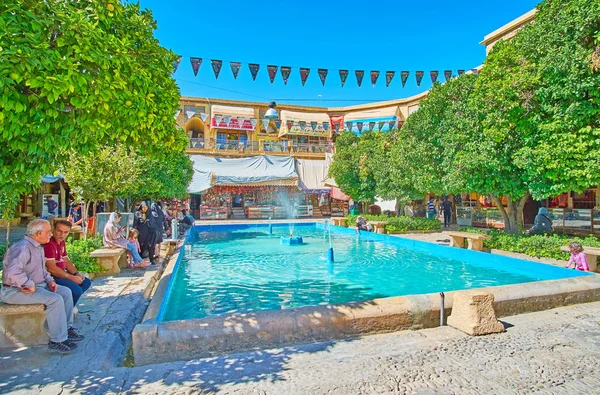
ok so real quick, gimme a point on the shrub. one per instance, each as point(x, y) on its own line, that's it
point(547, 246)
point(400, 224)
point(79, 253)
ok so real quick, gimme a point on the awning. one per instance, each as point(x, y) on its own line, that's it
point(305, 124)
point(49, 179)
point(312, 175)
point(226, 117)
point(337, 194)
point(383, 119)
point(250, 171)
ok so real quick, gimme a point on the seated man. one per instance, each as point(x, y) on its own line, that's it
point(362, 224)
point(60, 266)
point(26, 281)
point(186, 222)
point(542, 223)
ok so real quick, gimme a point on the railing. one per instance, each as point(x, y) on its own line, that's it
point(311, 148)
point(196, 143)
point(575, 219)
point(276, 146)
point(236, 145)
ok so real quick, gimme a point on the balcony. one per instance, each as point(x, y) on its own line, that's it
point(249, 148)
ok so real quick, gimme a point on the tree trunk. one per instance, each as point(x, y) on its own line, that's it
point(513, 217)
point(86, 205)
point(7, 232)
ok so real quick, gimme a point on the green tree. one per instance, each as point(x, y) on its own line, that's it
point(353, 166)
point(167, 176)
point(77, 74)
point(103, 175)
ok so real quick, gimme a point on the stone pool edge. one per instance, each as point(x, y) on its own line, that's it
point(156, 342)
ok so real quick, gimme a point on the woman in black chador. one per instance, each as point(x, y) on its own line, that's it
point(147, 235)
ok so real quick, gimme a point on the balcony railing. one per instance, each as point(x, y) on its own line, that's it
point(256, 146)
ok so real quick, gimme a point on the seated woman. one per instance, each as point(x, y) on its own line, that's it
point(542, 223)
point(362, 224)
point(112, 237)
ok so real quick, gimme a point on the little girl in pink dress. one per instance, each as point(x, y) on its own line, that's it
point(133, 239)
point(578, 257)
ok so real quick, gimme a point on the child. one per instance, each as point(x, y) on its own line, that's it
point(578, 257)
point(133, 239)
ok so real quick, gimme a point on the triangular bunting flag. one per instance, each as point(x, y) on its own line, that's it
point(343, 76)
point(203, 116)
point(189, 114)
point(304, 72)
point(176, 64)
point(392, 124)
point(253, 122)
point(374, 76)
point(218, 118)
point(448, 75)
point(326, 126)
point(381, 125)
point(313, 125)
point(322, 75)
point(389, 76)
point(289, 125)
point(216, 65)
point(434, 74)
point(235, 68)
point(404, 77)
point(272, 72)
point(475, 71)
point(227, 119)
point(461, 72)
point(371, 126)
point(278, 123)
point(419, 76)
point(253, 70)
point(349, 125)
point(177, 113)
point(359, 76)
point(266, 123)
point(196, 63)
point(359, 126)
point(285, 74)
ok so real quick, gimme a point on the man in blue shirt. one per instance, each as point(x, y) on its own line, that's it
point(52, 205)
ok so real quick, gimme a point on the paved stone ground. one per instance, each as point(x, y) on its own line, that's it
point(553, 352)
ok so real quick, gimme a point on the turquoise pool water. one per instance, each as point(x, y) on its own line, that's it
point(228, 269)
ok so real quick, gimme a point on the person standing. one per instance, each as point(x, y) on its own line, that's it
point(431, 208)
point(147, 236)
point(156, 222)
point(60, 266)
point(52, 205)
point(25, 280)
point(447, 211)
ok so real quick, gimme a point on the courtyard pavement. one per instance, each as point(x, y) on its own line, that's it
point(554, 352)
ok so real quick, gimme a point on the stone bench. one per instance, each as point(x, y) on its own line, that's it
point(591, 254)
point(378, 226)
point(22, 325)
point(340, 221)
point(475, 240)
point(111, 259)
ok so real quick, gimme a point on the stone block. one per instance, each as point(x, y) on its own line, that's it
point(473, 313)
point(111, 259)
point(22, 325)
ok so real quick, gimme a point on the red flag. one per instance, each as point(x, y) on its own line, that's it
point(272, 72)
point(304, 72)
point(374, 76)
point(434, 74)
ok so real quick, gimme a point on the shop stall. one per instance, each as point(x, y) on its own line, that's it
point(311, 179)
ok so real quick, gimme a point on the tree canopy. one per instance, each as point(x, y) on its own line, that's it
point(75, 75)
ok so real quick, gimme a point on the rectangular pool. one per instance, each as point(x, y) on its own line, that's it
point(227, 269)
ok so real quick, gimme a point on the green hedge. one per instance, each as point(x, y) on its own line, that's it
point(540, 246)
point(546, 246)
point(400, 224)
point(79, 253)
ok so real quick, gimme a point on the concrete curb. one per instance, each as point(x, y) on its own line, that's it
point(155, 342)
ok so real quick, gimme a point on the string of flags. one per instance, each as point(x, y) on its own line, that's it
point(286, 71)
